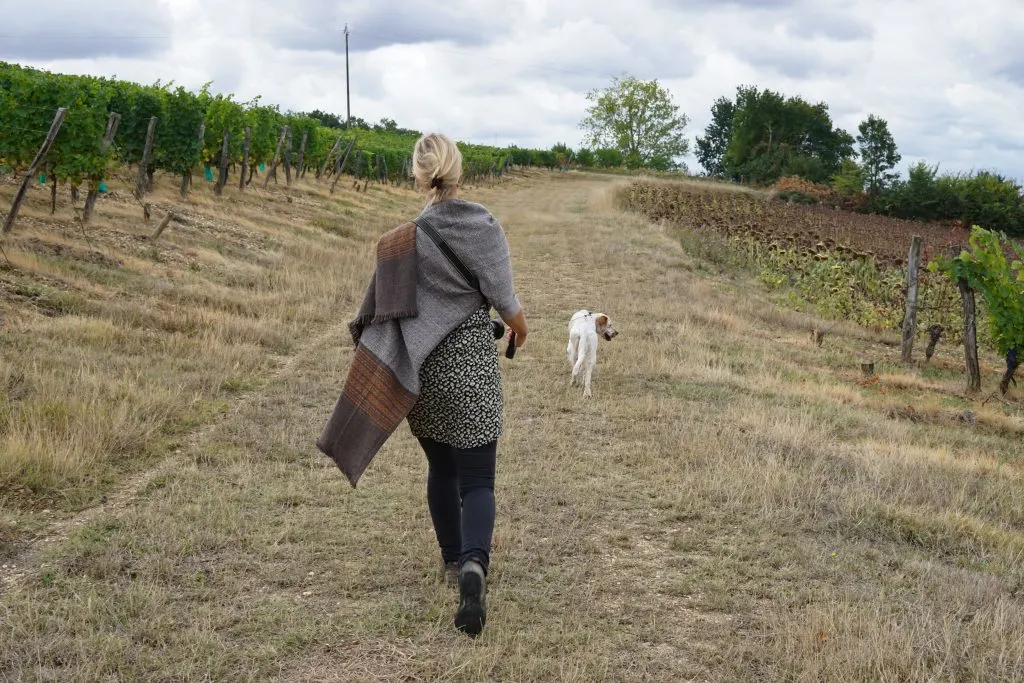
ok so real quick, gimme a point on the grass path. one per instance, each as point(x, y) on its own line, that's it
point(127, 492)
point(730, 505)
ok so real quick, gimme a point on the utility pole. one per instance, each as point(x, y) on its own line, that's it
point(348, 101)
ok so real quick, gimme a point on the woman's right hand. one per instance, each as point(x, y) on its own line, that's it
point(517, 324)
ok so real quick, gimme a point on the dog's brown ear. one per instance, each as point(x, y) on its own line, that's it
point(601, 320)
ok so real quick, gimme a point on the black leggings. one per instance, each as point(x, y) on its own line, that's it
point(460, 494)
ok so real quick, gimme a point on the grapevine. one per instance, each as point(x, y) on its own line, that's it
point(29, 97)
point(994, 266)
point(846, 265)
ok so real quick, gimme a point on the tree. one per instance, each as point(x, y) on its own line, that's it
point(711, 148)
point(849, 183)
point(774, 136)
point(608, 158)
point(638, 119)
point(563, 154)
point(585, 158)
point(325, 118)
point(878, 154)
point(984, 198)
point(545, 158)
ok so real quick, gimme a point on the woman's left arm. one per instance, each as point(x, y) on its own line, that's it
point(497, 284)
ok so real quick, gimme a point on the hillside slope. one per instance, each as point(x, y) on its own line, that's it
point(731, 504)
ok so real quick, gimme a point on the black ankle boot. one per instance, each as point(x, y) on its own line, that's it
point(472, 612)
point(451, 573)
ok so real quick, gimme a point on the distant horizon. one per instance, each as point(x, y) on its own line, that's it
point(517, 73)
point(690, 161)
point(694, 167)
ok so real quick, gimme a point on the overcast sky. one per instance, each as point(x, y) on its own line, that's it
point(947, 75)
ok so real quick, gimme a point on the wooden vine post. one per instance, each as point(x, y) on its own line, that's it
point(970, 336)
point(142, 180)
point(910, 317)
point(934, 334)
point(301, 168)
point(186, 177)
point(222, 177)
point(288, 158)
point(356, 171)
point(1012, 363)
point(327, 159)
point(163, 225)
point(277, 155)
point(58, 119)
point(53, 190)
point(94, 185)
point(245, 158)
point(341, 164)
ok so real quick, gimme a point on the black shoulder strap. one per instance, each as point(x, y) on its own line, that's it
point(424, 225)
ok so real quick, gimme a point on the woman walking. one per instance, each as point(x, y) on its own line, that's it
point(425, 352)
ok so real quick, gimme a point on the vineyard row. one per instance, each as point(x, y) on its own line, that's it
point(165, 128)
point(848, 266)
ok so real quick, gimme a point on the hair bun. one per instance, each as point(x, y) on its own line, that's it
point(437, 166)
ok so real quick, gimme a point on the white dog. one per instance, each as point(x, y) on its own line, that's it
point(584, 329)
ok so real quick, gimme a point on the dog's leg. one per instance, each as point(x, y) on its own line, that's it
point(582, 358)
point(570, 355)
point(586, 379)
point(577, 368)
point(574, 351)
point(590, 360)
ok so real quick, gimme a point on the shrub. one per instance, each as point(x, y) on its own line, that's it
point(801, 191)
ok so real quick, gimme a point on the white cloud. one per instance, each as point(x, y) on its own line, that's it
point(64, 29)
point(948, 77)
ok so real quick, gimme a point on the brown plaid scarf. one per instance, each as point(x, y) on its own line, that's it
point(373, 402)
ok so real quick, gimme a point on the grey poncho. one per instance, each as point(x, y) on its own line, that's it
point(415, 299)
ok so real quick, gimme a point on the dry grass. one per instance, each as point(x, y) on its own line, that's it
point(732, 504)
point(115, 346)
point(697, 183)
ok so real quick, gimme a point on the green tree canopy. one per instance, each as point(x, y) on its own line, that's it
point(638, 119)
point(878, 153)
point(711, 148)
point(774, 136)
point(608, 158)
point(585, 157)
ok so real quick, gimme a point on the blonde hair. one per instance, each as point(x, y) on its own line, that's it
point(437, 166)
